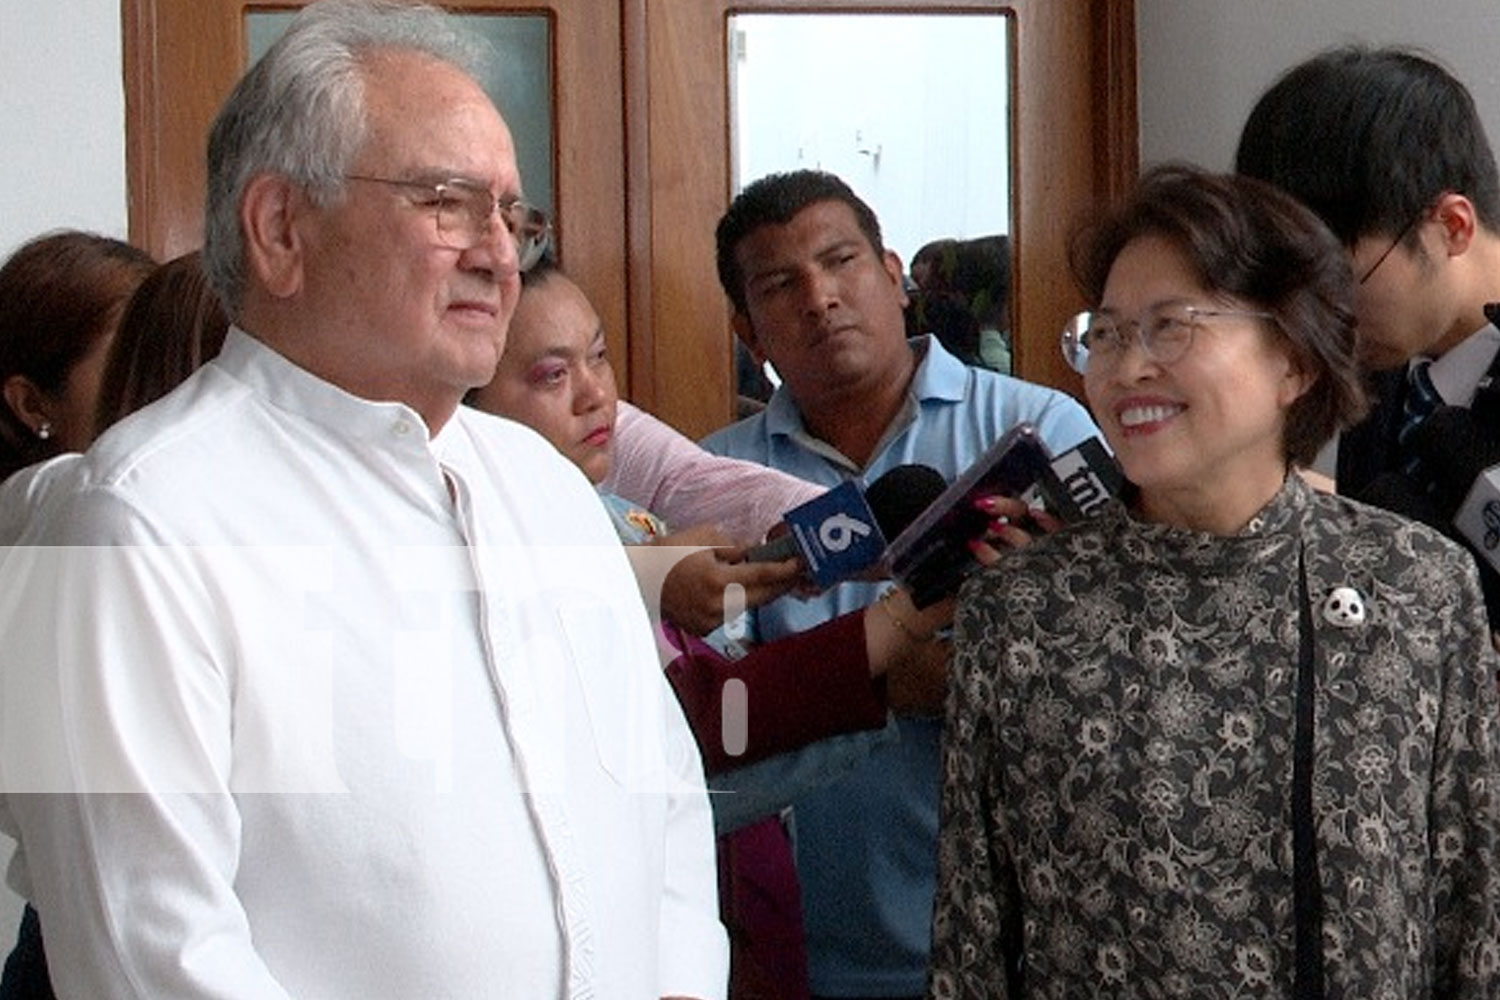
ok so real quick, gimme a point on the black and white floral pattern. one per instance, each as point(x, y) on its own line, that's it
point(1118, 762)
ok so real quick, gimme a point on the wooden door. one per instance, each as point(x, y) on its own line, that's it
point(1074, 137)
point(642, 159)
point(182, 57)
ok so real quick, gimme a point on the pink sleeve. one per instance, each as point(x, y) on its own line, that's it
point(667, 473)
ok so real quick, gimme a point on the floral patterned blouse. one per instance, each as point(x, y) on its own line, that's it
point(1118, 763)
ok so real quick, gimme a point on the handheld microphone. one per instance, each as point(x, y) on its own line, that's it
point(902, 494)
point(932, 557)
point(1463, 459)
point(843, 533)
point(1079, 482)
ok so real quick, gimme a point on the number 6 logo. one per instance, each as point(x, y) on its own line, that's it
point(840, 531)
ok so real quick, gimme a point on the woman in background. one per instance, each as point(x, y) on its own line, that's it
point(172, 324)
point(61, 296)
point(1234, 737)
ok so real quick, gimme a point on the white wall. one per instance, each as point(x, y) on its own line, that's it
point(62, 113)
point(1202, 63)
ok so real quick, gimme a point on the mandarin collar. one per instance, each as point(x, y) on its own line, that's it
point(1273, 529)
point(295, 390)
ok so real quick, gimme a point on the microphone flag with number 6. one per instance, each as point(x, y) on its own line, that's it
point(842, 533)
point(837, 535)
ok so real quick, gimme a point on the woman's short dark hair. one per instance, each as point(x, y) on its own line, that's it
point(60, 294)
point(173, 324)
point(1250, 242)
point(544, 270)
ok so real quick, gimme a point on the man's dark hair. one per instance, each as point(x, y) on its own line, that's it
point(775, 200)
point(1369, 138)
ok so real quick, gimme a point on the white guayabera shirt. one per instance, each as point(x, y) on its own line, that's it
point(362, 714)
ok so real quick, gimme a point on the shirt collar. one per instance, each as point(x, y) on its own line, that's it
point(294, 389)
point(939, 377)
point(1457, 374)
point(1273, 529)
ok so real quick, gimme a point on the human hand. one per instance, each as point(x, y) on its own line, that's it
point(1013, 524)
point(699, 584)
point(902, 643)
point(894, 625)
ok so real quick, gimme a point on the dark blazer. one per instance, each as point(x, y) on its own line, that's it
point(1371, 461)
point(1369, 448)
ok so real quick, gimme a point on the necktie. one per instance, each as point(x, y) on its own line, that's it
point(1421, 398)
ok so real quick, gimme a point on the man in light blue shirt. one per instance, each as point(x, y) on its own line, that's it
point(816, 293)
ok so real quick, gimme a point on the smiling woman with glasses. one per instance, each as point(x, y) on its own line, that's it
point(1142, 706)
point(1162, 273)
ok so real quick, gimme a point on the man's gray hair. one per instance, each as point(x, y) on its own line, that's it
point(300, 112)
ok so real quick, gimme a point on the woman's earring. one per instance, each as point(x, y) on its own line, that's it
point(44, 431)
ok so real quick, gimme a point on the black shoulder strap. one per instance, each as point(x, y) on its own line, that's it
point(1307, 887)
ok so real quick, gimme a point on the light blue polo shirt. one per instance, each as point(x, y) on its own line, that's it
point(867, 845)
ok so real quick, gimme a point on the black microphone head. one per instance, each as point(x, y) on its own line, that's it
point(1400, 494)
point(901, 494)
point(1455, 449)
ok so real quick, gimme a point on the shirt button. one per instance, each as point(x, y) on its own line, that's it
point(402, 428)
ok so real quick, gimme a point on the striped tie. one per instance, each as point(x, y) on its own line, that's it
point(1421, 398)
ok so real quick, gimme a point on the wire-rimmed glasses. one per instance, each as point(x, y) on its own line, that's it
point(465, 213)
point(1370, 271)
point(1164, 332)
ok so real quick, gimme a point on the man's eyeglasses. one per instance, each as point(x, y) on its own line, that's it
point(465, 213)
point(1401, 236)
point(1097, 340)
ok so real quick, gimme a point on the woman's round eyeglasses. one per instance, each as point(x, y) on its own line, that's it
point(1096, 340)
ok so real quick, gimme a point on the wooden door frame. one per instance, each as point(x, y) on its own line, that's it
point(1074, 140)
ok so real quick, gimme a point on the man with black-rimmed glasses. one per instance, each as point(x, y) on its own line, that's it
point(1387, 146)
